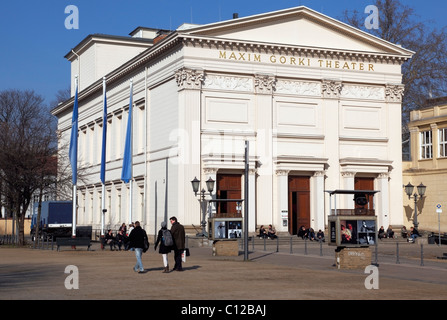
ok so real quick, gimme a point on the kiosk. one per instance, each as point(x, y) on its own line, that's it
point(225, 230)
point(352, 231)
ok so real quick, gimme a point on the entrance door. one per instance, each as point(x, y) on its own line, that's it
point(365, 184)
point(228, 187)
point(299, 203)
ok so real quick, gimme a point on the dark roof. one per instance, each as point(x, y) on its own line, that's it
point(432, 102)
point(111, 37)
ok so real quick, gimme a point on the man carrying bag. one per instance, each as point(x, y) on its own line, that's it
point(138, 242)
point(178, 233)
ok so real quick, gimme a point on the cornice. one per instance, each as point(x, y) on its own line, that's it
point(176, 39)
point(304, 51)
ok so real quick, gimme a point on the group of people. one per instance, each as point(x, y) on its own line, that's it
point(310, 234)
point(121, 240)
point(389, 233)
point(270, 233)
point(303, 233)
point(135, 239)
point(410, 236)
point(138, 242)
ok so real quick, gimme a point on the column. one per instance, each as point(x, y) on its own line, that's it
point(264, 88)
point(330, 93)
point(189, 84)
point(435, 144)
point(383, 200)
point(252, 200)
point(318, 200)
point(348, 184)
point(282, 220)
point(414, 146)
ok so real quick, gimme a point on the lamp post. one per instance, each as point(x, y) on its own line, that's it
point(420, 193)
point(203, 202)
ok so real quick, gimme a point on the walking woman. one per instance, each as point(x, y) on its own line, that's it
point(164, 249)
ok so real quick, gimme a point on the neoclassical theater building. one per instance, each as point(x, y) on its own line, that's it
point(318, 101)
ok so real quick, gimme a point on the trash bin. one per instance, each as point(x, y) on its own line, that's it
point(431, 239)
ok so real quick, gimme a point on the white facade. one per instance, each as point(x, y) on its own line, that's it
point(318, 101)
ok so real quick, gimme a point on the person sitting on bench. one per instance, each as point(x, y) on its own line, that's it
point(110, 240)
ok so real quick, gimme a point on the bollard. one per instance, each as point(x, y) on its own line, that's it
point(397, 253)
point(305, 246)
point(376, 262)
point(265, 249)
point(253, 243)
point(422, 254)
point(277, 244)
point(321, 248)
point(291, 251)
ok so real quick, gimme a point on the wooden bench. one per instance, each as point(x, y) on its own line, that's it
point(73, 242)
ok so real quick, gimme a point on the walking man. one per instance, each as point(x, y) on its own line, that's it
point(178, 233)
point(137, 239)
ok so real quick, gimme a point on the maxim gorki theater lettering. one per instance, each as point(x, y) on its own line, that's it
point(295, 61)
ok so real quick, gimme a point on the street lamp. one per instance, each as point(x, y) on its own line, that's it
point(203, 202)
point(420, 193)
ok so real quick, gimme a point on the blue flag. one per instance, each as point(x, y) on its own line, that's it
point(73, 152)
point(126, 174)
point(104, 138)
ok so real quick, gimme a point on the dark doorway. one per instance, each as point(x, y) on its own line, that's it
point(299, 203)
point(228, 187)
point(365, 184)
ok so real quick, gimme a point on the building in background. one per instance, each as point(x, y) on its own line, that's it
point(318, 100)
point(428, 165)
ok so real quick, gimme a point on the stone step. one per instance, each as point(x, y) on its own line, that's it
point(444, 256)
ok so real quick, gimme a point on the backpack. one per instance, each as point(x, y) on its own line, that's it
point(167, 238)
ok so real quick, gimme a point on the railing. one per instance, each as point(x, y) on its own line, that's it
point(353, 212)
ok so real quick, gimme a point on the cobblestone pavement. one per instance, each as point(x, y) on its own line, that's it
point(28, 274)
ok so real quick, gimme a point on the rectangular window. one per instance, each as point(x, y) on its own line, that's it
point(426, 145)
point(442, 142)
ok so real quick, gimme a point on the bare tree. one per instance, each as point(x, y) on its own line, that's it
point(29, 146)
point(425, 75)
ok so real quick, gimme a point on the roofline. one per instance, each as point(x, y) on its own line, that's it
point(334, 22)
point(177, 36)
point(117, 73)
point(147, 28)
point(105, 37)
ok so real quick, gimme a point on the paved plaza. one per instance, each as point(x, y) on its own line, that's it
point(28, 274)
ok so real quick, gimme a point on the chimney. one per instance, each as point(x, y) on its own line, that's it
point(235, 15)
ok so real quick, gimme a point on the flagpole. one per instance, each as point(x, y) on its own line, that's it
point(131, 153)
point(73, 153)
point(73, 231)
point(103, 156)
point(130, 202)
point(126, 174)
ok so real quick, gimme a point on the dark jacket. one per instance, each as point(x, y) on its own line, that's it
point(163, 248)
point(178, 233)
point(136, 238)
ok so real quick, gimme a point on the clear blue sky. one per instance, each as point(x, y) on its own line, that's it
point(34, 39)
